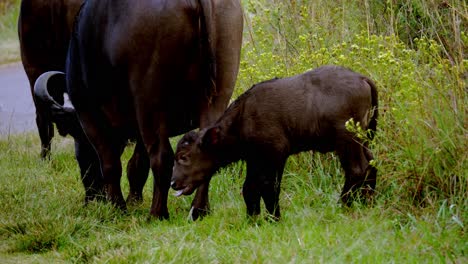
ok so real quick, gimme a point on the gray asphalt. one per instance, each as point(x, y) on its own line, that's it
point(17, 111)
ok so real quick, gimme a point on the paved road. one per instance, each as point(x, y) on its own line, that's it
point(17, 111)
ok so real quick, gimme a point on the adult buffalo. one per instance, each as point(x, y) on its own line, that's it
point(151, 70)
point(44, 29)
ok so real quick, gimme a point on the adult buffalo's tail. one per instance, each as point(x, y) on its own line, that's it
point(375, 109)
point(49, 89)
point(208, 44)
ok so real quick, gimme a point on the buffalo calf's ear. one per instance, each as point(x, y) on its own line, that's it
point(211, 138)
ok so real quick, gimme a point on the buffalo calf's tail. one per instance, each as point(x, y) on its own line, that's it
point(374, 111)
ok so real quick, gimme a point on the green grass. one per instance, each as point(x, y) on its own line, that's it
point(420, 211)
point(43, 220)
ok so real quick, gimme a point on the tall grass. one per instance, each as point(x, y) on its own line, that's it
point(9, 45)
point(43, 220)
point(415, 52)
point(421, 144)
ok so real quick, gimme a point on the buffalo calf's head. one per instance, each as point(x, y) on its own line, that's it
point(195, 160)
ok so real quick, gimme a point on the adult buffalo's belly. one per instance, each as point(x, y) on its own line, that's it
point(184, 115)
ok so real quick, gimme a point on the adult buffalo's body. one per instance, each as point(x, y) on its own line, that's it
point(67, 123)
point(150, 70)
point(44, 28)
point(277, 118)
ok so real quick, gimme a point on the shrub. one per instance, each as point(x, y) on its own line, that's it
point(421, 140)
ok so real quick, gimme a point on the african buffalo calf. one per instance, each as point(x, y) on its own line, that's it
point(276, 119)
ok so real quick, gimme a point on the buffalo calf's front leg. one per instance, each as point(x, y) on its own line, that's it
point(200, 204)
point(251, 194)
point(270, 195)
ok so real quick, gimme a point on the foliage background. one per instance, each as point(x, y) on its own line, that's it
point(415, 50)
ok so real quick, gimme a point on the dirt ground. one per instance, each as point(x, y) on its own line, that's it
point(17, 111)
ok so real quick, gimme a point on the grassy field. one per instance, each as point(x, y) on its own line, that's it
point(9, 45)
point(415, 52)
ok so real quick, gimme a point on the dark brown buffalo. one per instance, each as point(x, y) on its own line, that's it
point(276, 119)
point(44, 28)
point(67, 123)
point(149, 70)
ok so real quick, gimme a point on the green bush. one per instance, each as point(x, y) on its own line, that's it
point(421, 144)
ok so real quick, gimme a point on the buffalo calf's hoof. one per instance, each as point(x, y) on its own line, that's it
point(198, 213)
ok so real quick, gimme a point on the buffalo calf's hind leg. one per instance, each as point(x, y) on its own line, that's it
point(371, 175)
point(355, 164)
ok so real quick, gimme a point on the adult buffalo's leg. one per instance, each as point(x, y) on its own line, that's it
point(161, 161)
point(161, 157)
point(228, 26)
point(354, 163)
point(45, 129)
point(90, 170)
point(108, 146)
point(137, 173)
point(44, 123)
point(43, 114)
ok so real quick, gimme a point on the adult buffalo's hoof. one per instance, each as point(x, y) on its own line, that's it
point(45, 153)
point(158, 216)
point(159, 212)
point(98, 197)
point(134, 199)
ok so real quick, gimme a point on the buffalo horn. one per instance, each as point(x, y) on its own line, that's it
point(42, 86)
